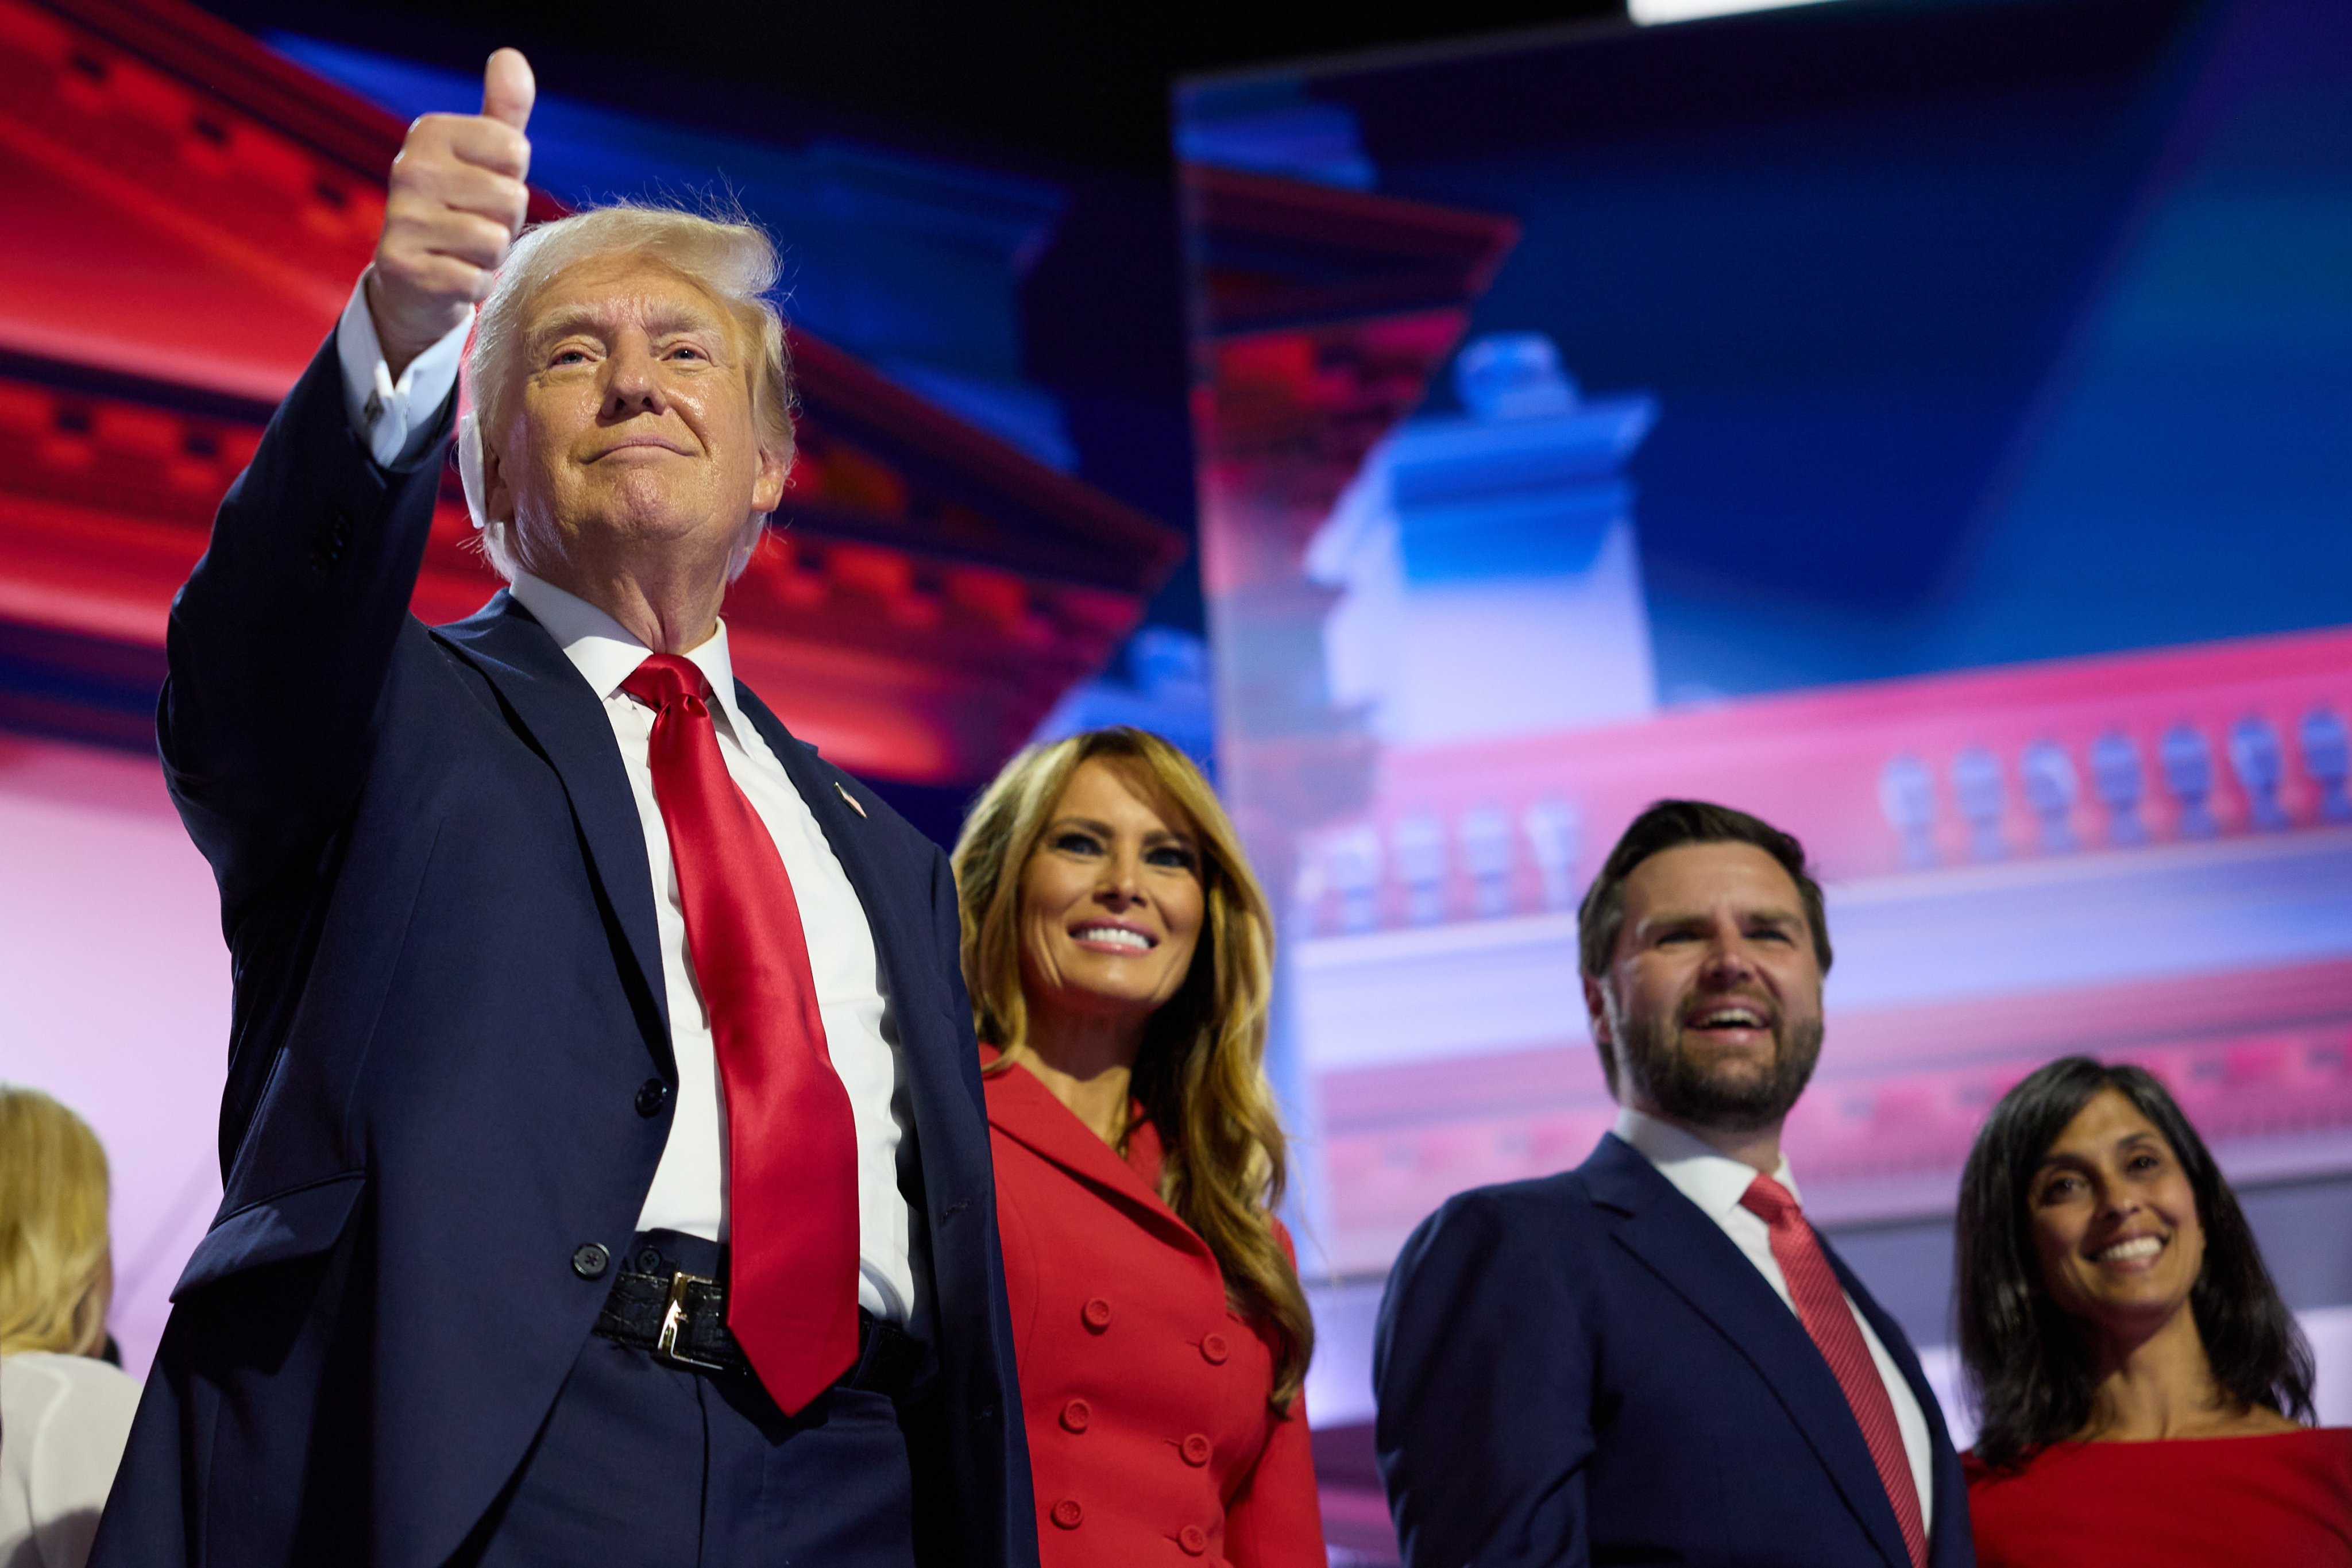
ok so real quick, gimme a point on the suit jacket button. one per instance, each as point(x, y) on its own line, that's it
point(1214, 1350)
point(1067, 1514)
point(1075, 1414)
point(590, 1260)
point(652, 1095)
point(1194, 1540)
point(1195, 1449)
point(1096, 1314)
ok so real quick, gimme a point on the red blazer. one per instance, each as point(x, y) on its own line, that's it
point(1150, 1439)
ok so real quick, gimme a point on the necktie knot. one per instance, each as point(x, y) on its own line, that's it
point(1770, 1202)
point(665, 677)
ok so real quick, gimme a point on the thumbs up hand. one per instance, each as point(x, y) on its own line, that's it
point(457, 202)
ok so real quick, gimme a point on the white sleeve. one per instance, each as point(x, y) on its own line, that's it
point(392, 416)
point(76, 1446)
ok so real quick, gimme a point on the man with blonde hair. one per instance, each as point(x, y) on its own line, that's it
point(607, 1180)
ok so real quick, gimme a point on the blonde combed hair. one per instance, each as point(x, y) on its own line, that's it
point(1201, 1075)
point(54, 1261)
point(724, 254)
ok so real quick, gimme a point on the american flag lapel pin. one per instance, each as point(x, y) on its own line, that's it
point(852, 799)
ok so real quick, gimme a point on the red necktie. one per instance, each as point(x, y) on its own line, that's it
point(791, 1147)
point(1822, 1306)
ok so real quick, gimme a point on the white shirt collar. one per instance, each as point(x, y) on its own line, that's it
point(606, 653)
point(1714, 1181)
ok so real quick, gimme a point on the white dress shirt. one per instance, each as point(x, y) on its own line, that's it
point(689, 1186)
point(63, 1422)
point(1715, 1183)
point(393, 417)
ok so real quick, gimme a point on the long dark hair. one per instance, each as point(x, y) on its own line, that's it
point(2031, 1369)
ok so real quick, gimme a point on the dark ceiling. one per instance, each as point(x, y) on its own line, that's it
point(1059, 89)
point(1078, 97)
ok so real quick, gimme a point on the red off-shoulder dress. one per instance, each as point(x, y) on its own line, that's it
point(2280, 1500)
point(1151, 1438)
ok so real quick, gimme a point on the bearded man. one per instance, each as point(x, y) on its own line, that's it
point(607, 1171)
point(1652, 1358)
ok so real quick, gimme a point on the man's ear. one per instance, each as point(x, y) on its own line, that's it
point(768, 489)
point(1604, 1038)
point(497, 496)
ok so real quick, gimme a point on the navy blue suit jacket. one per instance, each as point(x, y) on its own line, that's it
point(447, 1049)
point(1585, 1369)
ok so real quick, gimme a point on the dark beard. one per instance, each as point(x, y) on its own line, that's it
point(1684, 1091)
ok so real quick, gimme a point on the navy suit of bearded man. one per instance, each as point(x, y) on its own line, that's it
point(1653, 1358)
point(452, 1074)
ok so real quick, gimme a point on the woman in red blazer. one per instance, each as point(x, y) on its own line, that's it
point(1118, 954)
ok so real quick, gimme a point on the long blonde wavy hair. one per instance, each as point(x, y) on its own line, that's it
point(1201, 1075)
point(56, 1270)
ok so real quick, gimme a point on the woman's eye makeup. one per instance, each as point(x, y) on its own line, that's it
point(2056, 1189)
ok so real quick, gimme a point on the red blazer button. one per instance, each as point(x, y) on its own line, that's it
point(1075, 1416)
point(1214, 1350)
point(1096, 1314)
point(1067, 1513)
point(1196, 1449)
point(1194, 1540)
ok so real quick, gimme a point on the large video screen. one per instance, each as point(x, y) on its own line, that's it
point(1927, 426)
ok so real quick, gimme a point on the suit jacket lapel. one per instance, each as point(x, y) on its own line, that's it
point(1688, 1250)
point(564, 718)
point(1026, 1111)
point(942, 1067)
point(881, 898)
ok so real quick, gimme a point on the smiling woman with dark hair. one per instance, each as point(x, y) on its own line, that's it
point(2143, 1388)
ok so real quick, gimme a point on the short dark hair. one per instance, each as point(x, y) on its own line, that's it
point(2031, 1370)
point(1670, 824)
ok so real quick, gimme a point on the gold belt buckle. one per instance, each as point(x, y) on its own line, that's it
point(666, 1343)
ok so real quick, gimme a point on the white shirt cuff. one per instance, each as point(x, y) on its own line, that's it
point(395, 419)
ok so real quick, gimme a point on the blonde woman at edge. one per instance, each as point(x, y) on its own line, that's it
point(1118, 954)
point(63, 1414)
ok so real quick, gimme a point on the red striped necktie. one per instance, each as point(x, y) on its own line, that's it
point(792, 1146)
point(1821, 1307)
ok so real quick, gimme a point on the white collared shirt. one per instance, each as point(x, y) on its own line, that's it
point(1715, 1183)
point(689, 1186)
point(392, 418)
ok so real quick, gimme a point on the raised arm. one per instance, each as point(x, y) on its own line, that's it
point(280, 642)
point(1483, 1379)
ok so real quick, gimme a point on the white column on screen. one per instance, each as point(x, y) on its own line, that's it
point(1487, 855)
point(2120, 781)
point(1420, 865)
point(2327, 758)
point(1906, 793)
point(1555, 831)
point(2186, 758)
point(1982, 796)
point(2046, 773)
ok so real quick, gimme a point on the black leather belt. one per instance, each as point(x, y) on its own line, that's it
point(681, 1319)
